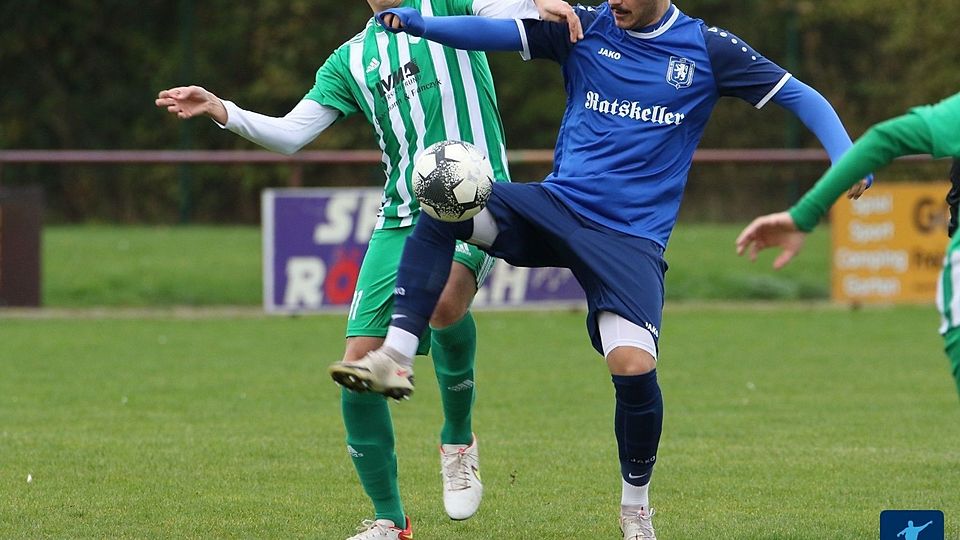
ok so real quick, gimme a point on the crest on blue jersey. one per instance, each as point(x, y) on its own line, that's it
point(680, 72)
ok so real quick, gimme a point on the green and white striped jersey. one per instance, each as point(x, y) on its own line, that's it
point(948, 288)
point(414, 93)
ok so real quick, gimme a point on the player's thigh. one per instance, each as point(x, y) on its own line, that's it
point(372, 306)
point(621, 275)
point(530, 226)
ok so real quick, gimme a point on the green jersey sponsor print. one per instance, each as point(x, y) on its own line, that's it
point(414, 93)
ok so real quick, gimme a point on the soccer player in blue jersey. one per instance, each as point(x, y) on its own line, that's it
point(641, 85)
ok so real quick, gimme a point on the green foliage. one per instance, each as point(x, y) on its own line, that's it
point(781, 422)
point(84, 76)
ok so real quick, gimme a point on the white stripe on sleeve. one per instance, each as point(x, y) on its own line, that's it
point(773, 91)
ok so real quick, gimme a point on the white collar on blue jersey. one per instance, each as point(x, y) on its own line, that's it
point(656, 29)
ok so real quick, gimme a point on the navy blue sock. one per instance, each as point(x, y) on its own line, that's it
point(423, 271)
point(638, 423)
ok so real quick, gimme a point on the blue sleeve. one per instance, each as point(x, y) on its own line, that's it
point(542, 39)
point(465, 32)
point(739, 70)
point(817, 114)
point(473, 33)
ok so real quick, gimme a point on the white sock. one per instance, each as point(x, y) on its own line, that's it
point(634, 497)
point(404, 343)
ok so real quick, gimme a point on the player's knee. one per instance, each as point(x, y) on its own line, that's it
point(456, 297)
point(446, 313)
point(630, 349)
point(628, 360)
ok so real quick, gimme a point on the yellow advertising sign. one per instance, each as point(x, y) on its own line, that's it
point(888, 246)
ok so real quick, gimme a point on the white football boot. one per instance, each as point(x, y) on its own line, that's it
point(637, 525)
point(378, 371)
point(382, 529)
point(460, 469)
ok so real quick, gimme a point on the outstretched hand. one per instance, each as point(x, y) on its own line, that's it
point(398, 20)
point(189, 101)
point(857, 189)
point(770, 231)
point(559, 11)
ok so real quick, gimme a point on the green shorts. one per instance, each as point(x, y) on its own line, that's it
point(952, 348)
point(372, 304)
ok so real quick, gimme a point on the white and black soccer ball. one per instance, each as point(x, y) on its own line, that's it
point(452, 180)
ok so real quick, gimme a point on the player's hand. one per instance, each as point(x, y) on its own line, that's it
point(857, 189)
point(560, 11)
point(398, 20)
point(770, 231)
point(189, 101)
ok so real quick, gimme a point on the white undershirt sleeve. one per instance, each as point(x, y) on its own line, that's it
point(506, 9)
point(285, 135)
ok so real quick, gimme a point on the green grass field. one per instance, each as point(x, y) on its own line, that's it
point(204, 266)
point(781, 422)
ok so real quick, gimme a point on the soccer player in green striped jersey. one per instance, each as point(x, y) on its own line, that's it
point(929, 129)
point(413, 93)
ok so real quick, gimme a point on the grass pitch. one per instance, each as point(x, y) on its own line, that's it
point(781, 422)
point(111, 266)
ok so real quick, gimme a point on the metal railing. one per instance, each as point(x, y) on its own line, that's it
point(354, 157)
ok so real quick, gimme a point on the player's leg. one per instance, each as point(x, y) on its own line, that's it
point(425, 268)
point(366, 416)
point(638, 418)
point(623, 279)
point(422, 274)
point(453, 347)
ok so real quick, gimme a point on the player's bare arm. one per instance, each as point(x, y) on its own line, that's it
point(189, 101)
point(560, 11)
point(768, 231)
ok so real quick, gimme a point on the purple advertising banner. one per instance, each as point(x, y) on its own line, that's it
point(314, 241)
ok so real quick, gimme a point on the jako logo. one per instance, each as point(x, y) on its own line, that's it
point(608, 53)
point(653, 330)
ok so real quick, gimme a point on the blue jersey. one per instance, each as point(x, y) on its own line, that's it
point(637, 105)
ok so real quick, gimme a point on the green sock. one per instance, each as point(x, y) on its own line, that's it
point(454, 350)
point(371, 445)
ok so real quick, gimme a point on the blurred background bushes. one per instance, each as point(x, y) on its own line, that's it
point(78, 74)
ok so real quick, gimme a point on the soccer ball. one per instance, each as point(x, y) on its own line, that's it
point(452, 180)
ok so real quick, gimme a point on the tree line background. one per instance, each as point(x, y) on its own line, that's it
point(78, 74)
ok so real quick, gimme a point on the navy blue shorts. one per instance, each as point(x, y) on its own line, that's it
point(621, 274)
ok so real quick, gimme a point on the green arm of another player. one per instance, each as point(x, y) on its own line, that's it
point(881, 144)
